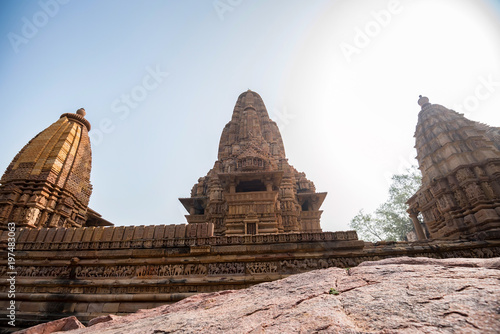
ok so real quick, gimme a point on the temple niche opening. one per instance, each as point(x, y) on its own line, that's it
point(252, 189)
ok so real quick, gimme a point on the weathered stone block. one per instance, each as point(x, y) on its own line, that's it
point(81, 307)
point(133, 307)
point(110, 307)
point(95, 307)
point(470, 220)
point(68, 307)
point(29, 306)
point(486, 215)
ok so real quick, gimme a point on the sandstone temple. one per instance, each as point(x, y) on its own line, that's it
point(48, 182)
point(460, 164)
point(252, 189)
point(253, 218)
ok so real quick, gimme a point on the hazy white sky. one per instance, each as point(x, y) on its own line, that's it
point(159, 80)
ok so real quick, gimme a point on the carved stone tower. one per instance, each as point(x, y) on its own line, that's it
point(48, 182)
point(460, 164)
point(252, 189)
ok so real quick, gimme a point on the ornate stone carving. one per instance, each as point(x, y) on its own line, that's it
point(35, 271)
point(460, 198)
point(464, 174)
point(31, 217)
point(473, 191)
point(228, 268)
point(262, 267)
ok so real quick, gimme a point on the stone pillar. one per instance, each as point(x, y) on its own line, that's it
point(269, 185)
point(418, 226)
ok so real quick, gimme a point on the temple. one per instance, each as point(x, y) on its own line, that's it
point(252, 219)
point(252, 189)
point(460, 164)
point(48, 182)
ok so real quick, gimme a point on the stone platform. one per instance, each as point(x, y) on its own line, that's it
point(93, 271)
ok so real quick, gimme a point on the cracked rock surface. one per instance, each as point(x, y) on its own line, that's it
point(399, 295)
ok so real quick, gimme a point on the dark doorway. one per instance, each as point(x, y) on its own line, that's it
point(247, 186)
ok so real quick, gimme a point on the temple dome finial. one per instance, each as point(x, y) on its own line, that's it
point(78, 116)
point(423, 101)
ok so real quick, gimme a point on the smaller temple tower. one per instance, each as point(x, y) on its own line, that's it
point(252, 189)
point(460, 164)
point(48, 182)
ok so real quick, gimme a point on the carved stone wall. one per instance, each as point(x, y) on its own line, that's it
point(460, 164)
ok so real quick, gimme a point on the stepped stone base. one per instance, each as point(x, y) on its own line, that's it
point(116, 273)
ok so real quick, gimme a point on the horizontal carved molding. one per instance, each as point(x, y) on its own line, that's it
point(189, 242)
point(180, 271)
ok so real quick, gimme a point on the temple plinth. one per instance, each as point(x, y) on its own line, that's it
point(252, 189)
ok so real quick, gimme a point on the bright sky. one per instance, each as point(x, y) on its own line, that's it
point(341, 79)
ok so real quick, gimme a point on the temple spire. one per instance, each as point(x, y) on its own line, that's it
point(252, 189)
point(47, 184)
point(460, 164)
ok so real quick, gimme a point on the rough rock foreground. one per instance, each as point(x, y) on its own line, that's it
point(399, 295)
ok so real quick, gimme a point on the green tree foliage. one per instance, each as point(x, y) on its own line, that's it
point(390, 221)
